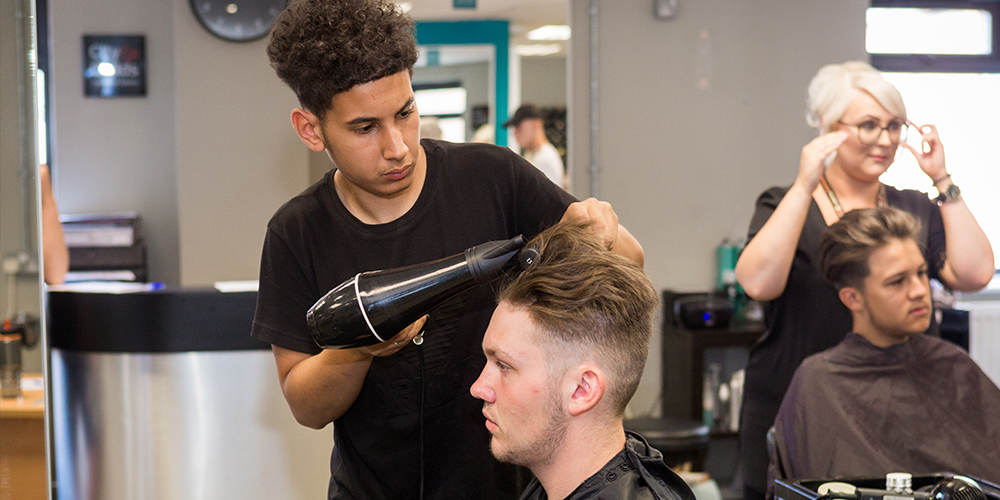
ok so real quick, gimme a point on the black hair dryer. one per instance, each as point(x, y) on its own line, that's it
point(374, 306)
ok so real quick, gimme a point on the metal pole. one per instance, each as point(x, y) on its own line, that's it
point(595, 168)
point(25, 47)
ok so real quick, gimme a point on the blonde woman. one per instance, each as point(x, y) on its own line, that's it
point(862, 122)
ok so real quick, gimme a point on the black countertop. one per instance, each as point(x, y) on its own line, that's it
point(161, 321)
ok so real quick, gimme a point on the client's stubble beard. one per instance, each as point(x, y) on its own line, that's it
point(543, 448)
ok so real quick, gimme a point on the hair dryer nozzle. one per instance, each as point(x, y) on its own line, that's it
point(486, 261)
point(374, 306)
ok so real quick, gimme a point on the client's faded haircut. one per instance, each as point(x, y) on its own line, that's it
point(586, 299)
point(846, 245)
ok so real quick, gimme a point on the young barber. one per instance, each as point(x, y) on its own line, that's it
point(391, 200)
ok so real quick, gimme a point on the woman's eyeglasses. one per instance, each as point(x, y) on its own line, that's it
point(869, 132)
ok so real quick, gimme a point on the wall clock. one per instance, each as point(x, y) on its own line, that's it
point(237, 20)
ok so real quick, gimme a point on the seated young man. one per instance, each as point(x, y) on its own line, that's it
point(887, 398)
point(565, 351)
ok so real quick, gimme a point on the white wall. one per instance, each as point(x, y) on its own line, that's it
point(112, 155)
point(543, 81)
point(237, 157)
point(698, 115)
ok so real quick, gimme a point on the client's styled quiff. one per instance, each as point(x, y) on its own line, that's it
point(321, 48)
point(845, 246)
point(587, 299)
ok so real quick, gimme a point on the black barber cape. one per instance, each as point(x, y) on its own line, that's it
point(922, 406)
point(637, 472)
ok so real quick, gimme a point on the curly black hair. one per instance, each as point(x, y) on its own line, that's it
point(321, 48)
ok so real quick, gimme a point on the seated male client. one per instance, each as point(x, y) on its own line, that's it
point(565, 351)
point(888, 398)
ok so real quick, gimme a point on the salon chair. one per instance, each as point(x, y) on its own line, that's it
point(680, 440)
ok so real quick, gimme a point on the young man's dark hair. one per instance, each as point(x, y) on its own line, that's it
point(402, 413)
point(845, 247)
point(321, 48)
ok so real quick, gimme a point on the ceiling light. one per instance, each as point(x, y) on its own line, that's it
point(538, 49)
point(550, 32)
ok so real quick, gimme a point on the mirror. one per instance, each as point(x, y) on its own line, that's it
point(454, 88)
point(459, 51)
point(22, 438)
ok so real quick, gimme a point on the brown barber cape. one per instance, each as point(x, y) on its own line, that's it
point(922, 406)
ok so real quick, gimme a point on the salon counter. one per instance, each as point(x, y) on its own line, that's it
point(30, 404)
point(152, 321)
point(164, 395)
point(22, 442)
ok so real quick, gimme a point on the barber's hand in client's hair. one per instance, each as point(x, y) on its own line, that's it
point(598, 216)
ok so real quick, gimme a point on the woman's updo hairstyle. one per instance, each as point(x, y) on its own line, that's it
point(835, 86)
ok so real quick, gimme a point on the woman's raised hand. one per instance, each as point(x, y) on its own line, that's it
point(930, 157)
point(813, 155)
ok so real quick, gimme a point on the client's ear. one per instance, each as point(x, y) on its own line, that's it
point(588, 385)
point(852, 298)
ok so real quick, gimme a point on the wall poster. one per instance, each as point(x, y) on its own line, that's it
point(114, 65)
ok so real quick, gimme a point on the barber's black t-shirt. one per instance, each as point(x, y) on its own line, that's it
point(472, 194)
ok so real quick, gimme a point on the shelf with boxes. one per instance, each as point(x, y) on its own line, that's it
point(105, 247)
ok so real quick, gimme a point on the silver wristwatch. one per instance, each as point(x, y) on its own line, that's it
point(950, 194)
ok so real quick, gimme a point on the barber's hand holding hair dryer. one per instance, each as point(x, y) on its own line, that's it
point(373, 306)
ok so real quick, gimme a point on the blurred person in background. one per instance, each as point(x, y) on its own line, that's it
point(535, 147)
